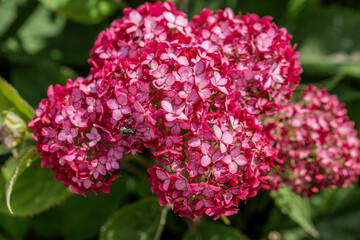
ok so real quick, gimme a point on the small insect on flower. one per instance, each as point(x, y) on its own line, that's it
point(127, 131)
point(136, 38)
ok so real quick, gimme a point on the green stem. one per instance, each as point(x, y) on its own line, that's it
point(225, 219)
point(162, 222)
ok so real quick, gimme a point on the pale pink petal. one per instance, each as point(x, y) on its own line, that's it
point(73, 132)
point(233, 167)
point(227, 159)
point(194, 142)
point(169, 16)
point(117, 114)
point(90, 136)
point(135, 17)
point(241, 160)
point(223, 148)
point(228, 196)
point(221, 82)
point(138, 107)
point(170, 79)
point(101, 169)
point(227, 138)
point(223, 89)
point(62, 135)
point(166, 105)
point(115, 165)
point(183, 61)
point(112, 104)
point(181, 21)
point(126, 110)
point(205, 161)
point(87, 183)
point(218, 132)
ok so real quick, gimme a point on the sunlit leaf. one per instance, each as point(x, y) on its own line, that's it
point(11, 100)
point(29, 188)
point(297, 208)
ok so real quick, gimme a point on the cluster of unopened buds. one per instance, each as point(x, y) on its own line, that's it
point(193, 92)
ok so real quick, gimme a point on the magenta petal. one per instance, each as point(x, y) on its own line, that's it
point(122, 99)
point(101, 169)
point(199, 205)
point(166, 184)
point(161, 175)
point(180, 184)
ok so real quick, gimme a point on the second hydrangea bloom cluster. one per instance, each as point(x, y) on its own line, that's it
point(318, 144)
point(192, 92)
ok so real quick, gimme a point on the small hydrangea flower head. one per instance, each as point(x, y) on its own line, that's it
point(83, 129)
point(317, 143)
point(68, 126)
point(263, 64)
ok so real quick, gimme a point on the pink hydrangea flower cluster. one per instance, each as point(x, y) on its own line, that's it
point(262, 63)
point(161, 82)
point(317, 143)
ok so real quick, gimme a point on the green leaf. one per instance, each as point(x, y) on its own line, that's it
point(15, 227)
point(339, 64)
point(77, 226)
point(140, 220)
point(8, 14)
point(295, 234)
point(32, 81)
point(212, 231)
point(85, 11)
point(30, 36)
point(29, 188)
point(297, 208)
point(341, 221)
point(4, 150)
point(327, 41)
point(10, 100)
point(25, 161)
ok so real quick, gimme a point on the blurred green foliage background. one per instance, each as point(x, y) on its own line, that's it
point(47, 41)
